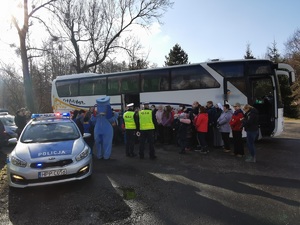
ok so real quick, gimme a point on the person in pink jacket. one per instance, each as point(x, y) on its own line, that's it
point(201, 125)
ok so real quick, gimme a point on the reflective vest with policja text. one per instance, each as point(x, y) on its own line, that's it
point(129, 120)
point(145, 117)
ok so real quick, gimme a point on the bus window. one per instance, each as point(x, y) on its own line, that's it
point(259, 68)
point(228, 70)
point(92, 86)
point(192, 78)
point(113, 85)
point(155, 81)
point(239, 83)
point(86, 87)
point(67, 88)
point(129, 83)
point(100, 86)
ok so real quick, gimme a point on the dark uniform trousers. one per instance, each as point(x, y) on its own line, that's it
point(130, 140)
point(147, 135)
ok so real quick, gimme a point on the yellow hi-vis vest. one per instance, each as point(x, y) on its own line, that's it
point(145, 117)
point(129, 120)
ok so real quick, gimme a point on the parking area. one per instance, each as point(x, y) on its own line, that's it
point(174, 189)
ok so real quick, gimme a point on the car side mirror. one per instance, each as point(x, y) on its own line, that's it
point(12, 141)
point(86, 135)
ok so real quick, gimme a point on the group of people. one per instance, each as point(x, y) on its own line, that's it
point(142, 124)
point(199, 128)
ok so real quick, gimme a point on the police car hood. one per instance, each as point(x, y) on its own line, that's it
point(49, 149)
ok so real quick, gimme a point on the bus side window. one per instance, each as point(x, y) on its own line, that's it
point(181, 82)
point(114, 86)
point(67, 88)
point(164, 84)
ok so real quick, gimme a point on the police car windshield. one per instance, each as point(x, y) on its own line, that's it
point(49, 132)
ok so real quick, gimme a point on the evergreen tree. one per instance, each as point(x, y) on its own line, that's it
point(177, 56)
point(273, 53)
point(249, 54)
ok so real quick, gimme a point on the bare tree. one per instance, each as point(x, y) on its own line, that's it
point(293, 58)
point(12, 88)
point(96, 28)
point(23, 34)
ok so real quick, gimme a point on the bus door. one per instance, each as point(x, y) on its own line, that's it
point(262, 96)
point(130, 98)
point(234, 90)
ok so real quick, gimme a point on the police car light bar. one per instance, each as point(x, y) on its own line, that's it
point(48, 115)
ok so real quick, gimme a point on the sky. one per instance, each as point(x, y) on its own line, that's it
point(221, 29)
point(205, 30)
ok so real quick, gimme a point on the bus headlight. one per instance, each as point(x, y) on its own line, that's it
point(83, 154)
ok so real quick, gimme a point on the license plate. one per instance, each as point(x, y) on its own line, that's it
point(53, 173)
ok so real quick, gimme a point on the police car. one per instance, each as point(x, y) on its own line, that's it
point(10, 127)
point(50, 150)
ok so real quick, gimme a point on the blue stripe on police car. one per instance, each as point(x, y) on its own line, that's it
point(39, 150)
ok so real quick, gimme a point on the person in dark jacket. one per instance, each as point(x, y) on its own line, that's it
point(74, 115)
point(212, 120)
point(20, 120)
point(146, 126)
point(88, 127)
point(130, 120)
point(250, 124)
point(184, 132)
point(79, 120)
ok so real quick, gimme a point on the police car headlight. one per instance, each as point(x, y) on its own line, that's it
point(83, 154)
point(18, 162)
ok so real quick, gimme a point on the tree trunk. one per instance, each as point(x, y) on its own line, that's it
point(29, 95)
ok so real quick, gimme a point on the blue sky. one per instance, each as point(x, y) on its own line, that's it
point(221, 29)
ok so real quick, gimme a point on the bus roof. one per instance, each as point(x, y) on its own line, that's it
point(82, 75)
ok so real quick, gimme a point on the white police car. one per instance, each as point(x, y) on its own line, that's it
point(50, 150)
point(10, 127)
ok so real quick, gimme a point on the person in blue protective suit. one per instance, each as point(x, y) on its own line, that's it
point(103, 131)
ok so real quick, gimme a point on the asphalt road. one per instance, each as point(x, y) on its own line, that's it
point(176, 189)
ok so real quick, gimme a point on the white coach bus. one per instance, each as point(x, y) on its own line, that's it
point(250, 81)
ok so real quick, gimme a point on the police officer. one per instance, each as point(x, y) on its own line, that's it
point(146, 126)
point(130, 120)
